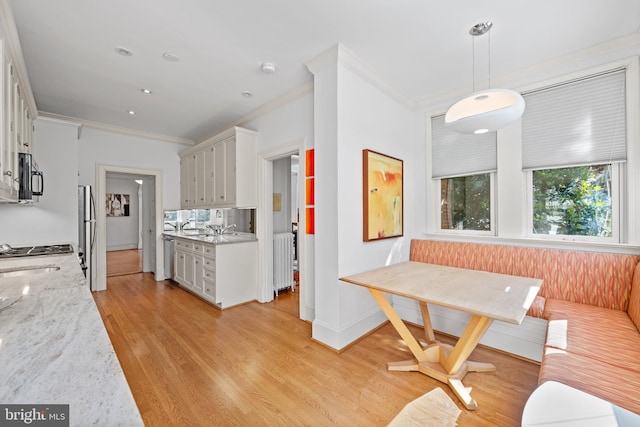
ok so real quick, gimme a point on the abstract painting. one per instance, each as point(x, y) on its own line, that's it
point(382, 196)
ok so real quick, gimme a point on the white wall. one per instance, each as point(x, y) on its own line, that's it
point(54, 219)
point(114, 149)
point(351, 115)
point(123, 231)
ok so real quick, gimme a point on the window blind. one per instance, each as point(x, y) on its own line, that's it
point(576, 123)
point(456, 154)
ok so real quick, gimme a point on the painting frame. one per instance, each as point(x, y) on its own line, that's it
point(382, 196)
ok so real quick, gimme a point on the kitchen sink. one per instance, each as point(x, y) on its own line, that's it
point(23, 271)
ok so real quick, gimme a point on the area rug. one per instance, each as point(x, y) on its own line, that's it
point(432, 409)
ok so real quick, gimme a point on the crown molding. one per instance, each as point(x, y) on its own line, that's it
point(284, 99)
point(340, 54)
point(12, 43)
point(116, 129)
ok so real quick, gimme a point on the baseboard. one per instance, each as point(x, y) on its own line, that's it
point(122, 247)
point(338, 339)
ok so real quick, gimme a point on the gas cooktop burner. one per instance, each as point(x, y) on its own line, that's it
point(37, 250)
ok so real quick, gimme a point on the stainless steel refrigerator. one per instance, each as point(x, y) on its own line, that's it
point(87, 233)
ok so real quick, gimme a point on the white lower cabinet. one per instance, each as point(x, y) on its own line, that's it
point(222, 274)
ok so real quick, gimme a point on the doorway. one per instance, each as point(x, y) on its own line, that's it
point(265, 227)
point(150, 225)
point(127, 223)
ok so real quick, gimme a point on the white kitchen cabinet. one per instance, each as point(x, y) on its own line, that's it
point(179, 265)
point(184, 183)
point(200, 178)
point(189, 181)
point(208, 177)
point(223, 171)
point(16, 125)
point(225, 275)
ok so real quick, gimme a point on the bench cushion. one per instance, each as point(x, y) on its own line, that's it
point(594, 278)
point(617, 385)
point(634, 299)
point(598, 333)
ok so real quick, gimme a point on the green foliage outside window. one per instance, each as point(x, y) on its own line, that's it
point(573, 201)
point(466, 203)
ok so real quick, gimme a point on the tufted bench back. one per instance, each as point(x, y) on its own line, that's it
point(594, 278)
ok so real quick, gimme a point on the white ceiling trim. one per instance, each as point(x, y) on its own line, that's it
point(274, 104)
point(117, 129)
point(339, 53)
point(12, 43)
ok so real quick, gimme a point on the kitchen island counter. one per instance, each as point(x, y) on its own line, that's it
point(54, 348)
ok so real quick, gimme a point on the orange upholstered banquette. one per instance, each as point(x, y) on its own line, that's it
point(590, 299)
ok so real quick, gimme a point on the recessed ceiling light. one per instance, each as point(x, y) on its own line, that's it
point(123, 51)
point(131, 112)
point(170, 57)
point(147, 91)
point(247, 94)
point(268, 68)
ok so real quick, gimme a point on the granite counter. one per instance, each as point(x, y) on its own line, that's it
point(54, 348)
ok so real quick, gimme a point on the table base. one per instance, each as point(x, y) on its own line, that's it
point(432, 366)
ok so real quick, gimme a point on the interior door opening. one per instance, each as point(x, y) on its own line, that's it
point(128, 216)
point(286, 267)
point(148, 236)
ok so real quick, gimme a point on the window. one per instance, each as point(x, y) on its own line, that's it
point(574, 201)
point(464, 167)
point(573, 146)
point(466, 203)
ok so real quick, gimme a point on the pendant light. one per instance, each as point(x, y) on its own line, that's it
point(486, 110)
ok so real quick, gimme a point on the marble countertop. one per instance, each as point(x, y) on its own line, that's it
point(208, 237)
point(54, 348)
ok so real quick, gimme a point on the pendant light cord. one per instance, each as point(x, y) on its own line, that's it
point(489, 59)
point(473, 69)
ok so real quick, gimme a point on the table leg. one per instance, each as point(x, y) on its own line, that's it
point(426, 320)
point(469, 339)
point(440, 361)
point(398, 324)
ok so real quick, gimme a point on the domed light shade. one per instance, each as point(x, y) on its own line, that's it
point(485, 111)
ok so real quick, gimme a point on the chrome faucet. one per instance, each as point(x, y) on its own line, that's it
point(224, 230)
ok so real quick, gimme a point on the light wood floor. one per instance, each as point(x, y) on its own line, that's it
point(124, 262)
point(190, 364)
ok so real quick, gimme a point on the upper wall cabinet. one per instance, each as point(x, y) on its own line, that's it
point(16, 125)
point(220, 172)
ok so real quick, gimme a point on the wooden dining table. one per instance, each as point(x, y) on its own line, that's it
point(486, 296)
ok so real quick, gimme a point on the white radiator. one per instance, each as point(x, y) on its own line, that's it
point(282, 261)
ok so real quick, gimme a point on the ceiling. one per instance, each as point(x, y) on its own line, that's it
point(420, 48)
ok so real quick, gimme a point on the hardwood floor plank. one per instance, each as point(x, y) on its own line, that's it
point(124, 262)
point(190, 364)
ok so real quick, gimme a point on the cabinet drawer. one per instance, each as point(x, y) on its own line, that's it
point(209, 263)
point(209, 250)
point(184, 244)
point(197, 247)
point(209, 275)
point(210, 289)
